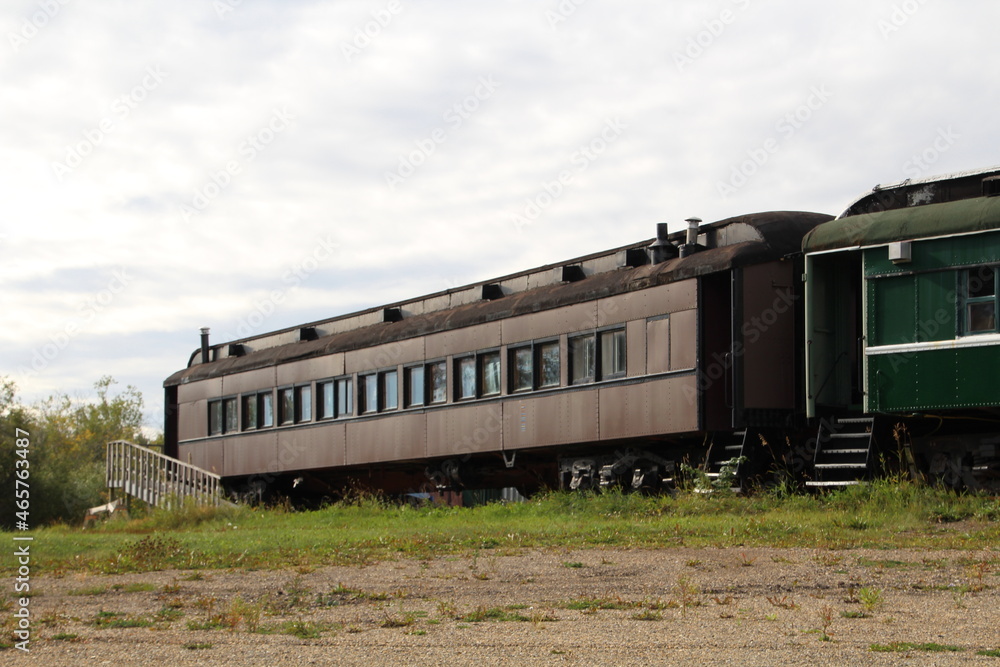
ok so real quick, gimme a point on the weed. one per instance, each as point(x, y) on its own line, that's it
point(746, 561)
point(482, 614)
point(870, 598)
point(304, 629)
point(573, 564)
point(694, 562)
point(902, 647)
point(169, 614)
point(728, 600)
point(197, 646)
point(990, 652)
point(853, 614)
point(66, 637)
point(404, 620)
point(92, 590)
point(825, 619)
point(784, 602)
point(686, 594)
point(648, 615)
point(593, 604)
point(194, 576)
point(171, 589)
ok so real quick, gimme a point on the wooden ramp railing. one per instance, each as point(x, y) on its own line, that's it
point(157, 479)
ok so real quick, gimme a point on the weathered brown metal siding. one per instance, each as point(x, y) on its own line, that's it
point(664, 406)
point(549, 323)
point(249, 381)
point(396, 438)
point(250, 453)
point(468, 429)
point(635, 348)
point(382, 356)
point(555, 419)
point(658, 345)
point(207, 455)
point(458, 341)
point(321, 446)
point(683, 339)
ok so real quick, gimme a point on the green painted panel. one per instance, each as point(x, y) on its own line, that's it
point(934, 380)
point(891, 311)
point(936, 305)
point(937, 253)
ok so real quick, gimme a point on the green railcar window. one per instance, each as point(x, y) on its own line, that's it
point(980, 300)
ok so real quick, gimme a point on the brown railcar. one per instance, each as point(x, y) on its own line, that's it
point(605, 369)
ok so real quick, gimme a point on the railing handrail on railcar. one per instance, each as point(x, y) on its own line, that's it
point(158, 479)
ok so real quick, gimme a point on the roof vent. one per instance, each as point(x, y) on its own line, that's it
point(308, 333)
point(571, 273)
point(631, 258)
point(662, 249)
point(492, 292)
point(392, 315)
point(991, 186)
point(236, 350)
point(204, 344)
point(691, 245)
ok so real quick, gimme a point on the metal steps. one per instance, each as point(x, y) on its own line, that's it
point(844, 452)
point(735, 446)
point(157, 479)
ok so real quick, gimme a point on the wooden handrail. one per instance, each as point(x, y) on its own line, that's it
point(157, 479)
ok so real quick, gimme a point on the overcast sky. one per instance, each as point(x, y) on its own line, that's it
point(249, 165)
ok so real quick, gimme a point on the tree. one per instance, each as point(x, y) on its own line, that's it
point(68, 442)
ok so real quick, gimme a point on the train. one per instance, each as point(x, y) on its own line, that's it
point(768, 347)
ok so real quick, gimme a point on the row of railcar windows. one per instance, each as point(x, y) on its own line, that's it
point(531, 366)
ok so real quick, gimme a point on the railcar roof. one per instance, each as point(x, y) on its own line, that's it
point(737, 241)
point(964, 216)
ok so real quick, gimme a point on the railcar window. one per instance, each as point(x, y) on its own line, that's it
point(368, 388)
point(249, 412)
point(286, 406)
point(548, 355)
point(489, 372)
point(414, 380)
point(522, 369)
point(612, 354)
point(265, 409)
point(303, 399)
point(437, 375)
point(325, 403)
point(345, 397)
point(581, 359)
point(390, 390)
point(214, 417)
point(466, 371)
point(230, 415)
point(980, 300)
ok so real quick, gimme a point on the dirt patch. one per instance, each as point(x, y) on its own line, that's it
point(677, 606)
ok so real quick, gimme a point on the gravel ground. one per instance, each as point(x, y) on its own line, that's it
point(676, 606)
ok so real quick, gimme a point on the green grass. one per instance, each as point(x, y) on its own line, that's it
point(369, 530)
point(902, 647)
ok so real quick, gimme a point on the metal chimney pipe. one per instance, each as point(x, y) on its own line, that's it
point(204, 345)
point(692, 230)
point(661, 249)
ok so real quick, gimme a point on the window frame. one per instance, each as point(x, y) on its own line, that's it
point(408, 393)
point(537, 370)
point(429, 386)
point(966, 301)
point(596, 367)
